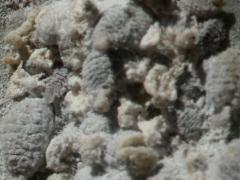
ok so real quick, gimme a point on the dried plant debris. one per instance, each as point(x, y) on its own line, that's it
point(22, 84)
point(119, 90)
point(18, 37)
point(136, 71)
point(40, 61)
point(170, 41)
point(75, 106)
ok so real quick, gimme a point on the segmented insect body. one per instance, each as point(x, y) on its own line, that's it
point(25, 134)
point(190, 122)
point(97, 72)
point(56, 85)
point(121, 27)
point(222, 86)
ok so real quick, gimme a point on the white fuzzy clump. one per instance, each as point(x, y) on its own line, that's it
point(174, 168)
point(169, 41)
point(152, 130)
point(151, 38)
point(74, 84)
point(84, 173)
point(65, 24)
point(77, 105)
point(137, 71)
point(129, 114)
point(195, 161)
point(92, 148)
point(133, 140)
point(153, 79)
point(112, 147)
point(135, 156)
point(18, 37)
point(160, 83)
point(23, 84)
point(226, 164)
point(102, 101)
point(40, 61)
point(133, 151)
point(60, 149)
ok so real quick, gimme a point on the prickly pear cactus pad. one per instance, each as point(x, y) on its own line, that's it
point(119, 89)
